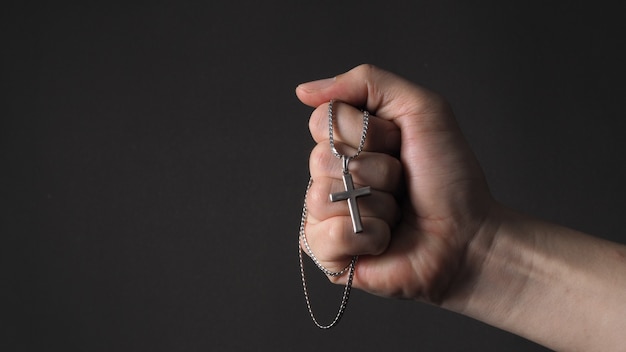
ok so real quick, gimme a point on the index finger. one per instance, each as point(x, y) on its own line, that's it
point(382, 136)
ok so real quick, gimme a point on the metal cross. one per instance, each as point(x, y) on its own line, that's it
point(350, 194)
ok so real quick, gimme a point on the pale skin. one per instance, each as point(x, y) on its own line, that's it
point(433, 232)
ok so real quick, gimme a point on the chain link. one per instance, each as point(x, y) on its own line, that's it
point(331, 133)
point(350, 267)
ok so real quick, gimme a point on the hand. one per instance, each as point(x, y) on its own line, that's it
point(433, 232)
point(429, 196)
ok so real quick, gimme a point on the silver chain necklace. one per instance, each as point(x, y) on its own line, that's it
point(350, 195)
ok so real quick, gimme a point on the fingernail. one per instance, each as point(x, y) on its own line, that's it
point(317, 85)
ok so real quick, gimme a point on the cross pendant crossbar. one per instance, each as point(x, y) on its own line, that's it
point(351, 194)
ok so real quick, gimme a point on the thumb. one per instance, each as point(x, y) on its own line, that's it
point(366, 86)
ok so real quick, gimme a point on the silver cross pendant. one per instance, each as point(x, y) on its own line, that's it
point(351, 194)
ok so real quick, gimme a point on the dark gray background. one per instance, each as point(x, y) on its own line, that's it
point(154, 159)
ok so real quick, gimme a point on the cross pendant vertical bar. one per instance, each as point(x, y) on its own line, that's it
point(351, 194)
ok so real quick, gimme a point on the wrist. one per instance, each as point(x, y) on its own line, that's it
point(547, 283)
point(497, 269)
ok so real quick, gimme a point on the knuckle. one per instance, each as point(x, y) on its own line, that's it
point(337, 232)
point(365, 69)
point(318, 197)
point(319, 159)
point(317, 122)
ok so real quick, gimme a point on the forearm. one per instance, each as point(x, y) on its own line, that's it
point(558, 287)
